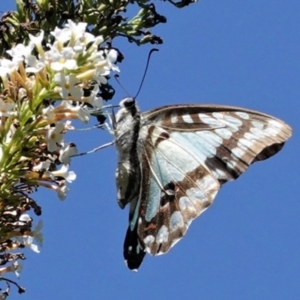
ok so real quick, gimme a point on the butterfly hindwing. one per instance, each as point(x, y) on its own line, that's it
point(175, 196)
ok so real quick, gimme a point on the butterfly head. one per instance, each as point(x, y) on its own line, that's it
point(127, 108)
point(127, 103)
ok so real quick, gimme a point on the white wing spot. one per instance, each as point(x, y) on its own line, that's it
point(257, 124)
point(148, 240)
point(231, 164)
point(209, 120)
point(245, 144)
point(218, 115)
point(274, 127)
point(187, 119)
point(224, 133)
point(186, 204)
point(138, 249)
point(219, 173)
point(174, 119)
point(250, 136)
point(258, 132)
point(208, 184)
point(162, 235)
point(275, 123)
point(239, 153)
point(242, 115)
point(196, 195)
point(233, 121)
point(176, 221)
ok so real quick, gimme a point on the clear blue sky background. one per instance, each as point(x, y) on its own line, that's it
point(246, 246)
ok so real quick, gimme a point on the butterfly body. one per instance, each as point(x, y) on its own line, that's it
point(174, 159)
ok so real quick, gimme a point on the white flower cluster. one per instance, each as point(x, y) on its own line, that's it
point(72, 61)
point(72, 64)
point(43, 89)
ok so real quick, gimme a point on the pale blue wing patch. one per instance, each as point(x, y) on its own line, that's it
point(169, 209)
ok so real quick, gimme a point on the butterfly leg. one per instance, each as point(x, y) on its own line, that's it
point(95, 149)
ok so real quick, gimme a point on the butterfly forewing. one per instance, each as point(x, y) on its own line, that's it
point(186, 153)
point(228, 139)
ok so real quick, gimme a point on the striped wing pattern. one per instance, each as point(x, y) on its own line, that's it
point(187, 153)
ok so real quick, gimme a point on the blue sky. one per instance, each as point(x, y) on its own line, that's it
point(246, 246)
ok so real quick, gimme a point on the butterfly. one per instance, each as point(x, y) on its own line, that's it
point(174, 159)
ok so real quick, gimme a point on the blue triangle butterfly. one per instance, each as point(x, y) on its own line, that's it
point(173, 161)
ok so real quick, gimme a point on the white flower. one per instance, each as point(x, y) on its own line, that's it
point(27, 241)
point(61, 35)
point(87, 38)
point(68, 126)
point(49, 113)
point(14, 267)
point(100, 72)
point(77, 30)
point(37, 233)
point(96, 102)
point(55, 136)
point(17, 268)
point(93, 99)
point(68, 86)
point(22, 93)
point(25, 218)
point(35, 65)
point(63, 172)
point(75, 112)
point(63, 59)
point(65, 154)
point(111, 57)
point(37, 41)
point(62, 192)
point(7, 108)
point(44, 165)
point(20, 51)
point(29, 244)
point(8, 66)
point(98, 40)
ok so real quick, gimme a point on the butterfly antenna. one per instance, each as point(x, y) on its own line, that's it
point(145, 72)
point(116, 76)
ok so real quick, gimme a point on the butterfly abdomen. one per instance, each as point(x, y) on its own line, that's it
point(128, 172)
